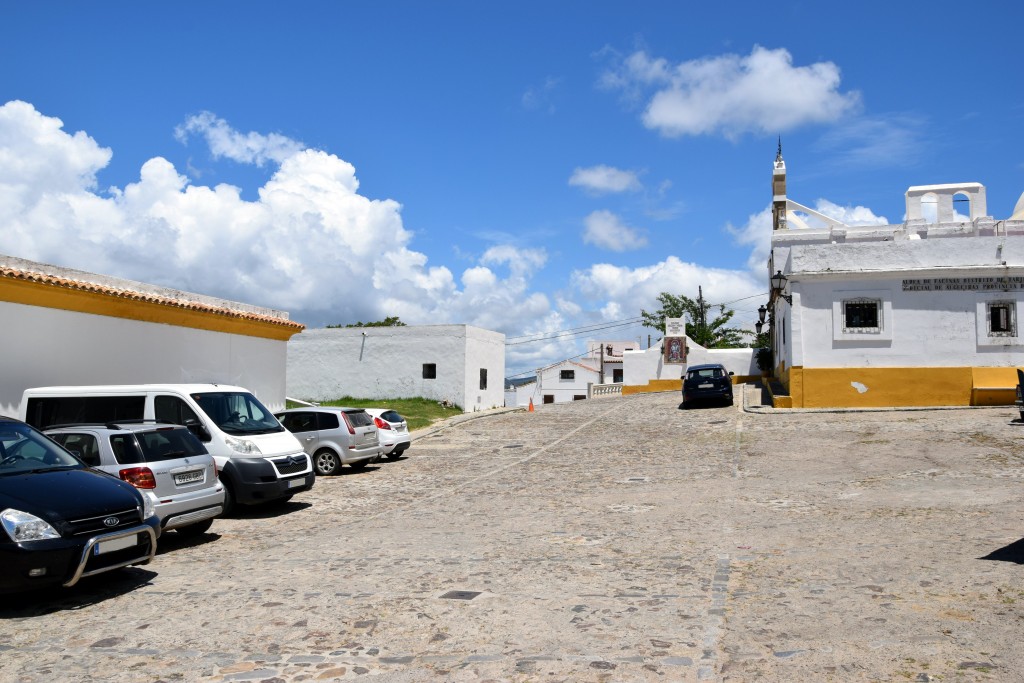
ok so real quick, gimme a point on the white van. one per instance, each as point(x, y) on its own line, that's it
point(257, 459)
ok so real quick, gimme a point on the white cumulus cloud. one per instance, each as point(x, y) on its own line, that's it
point(246, 148)
point(756, 233)
point(308, 244)
point(731, 94)
point(606, 230)
point(605, 179)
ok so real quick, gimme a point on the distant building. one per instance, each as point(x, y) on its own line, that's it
point(70, 327)
point(922, 313)
point(607, 356)
point(560, 382)
point(460, 364)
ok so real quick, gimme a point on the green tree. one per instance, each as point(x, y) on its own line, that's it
point(711, 334)
point(390, 321)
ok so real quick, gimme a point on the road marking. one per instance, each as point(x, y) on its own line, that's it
point(454, 487)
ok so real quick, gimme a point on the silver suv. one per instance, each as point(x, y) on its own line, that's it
point(165, 462)
point(334, 436)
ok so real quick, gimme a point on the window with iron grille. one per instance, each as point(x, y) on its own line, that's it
point(1002, 318)
point(862, 315)
point(430, 371)
point(567, 374)
point(483, 378)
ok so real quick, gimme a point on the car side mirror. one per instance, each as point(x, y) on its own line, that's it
point(731, 373)
point(199, 429)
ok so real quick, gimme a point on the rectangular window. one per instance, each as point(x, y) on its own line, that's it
point(617, 376)
point(862, 315)
point(1002, 318)
point(429, 371)
point(567, 374)
point(483, 378)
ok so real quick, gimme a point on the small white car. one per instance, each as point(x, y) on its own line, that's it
point(392, 431)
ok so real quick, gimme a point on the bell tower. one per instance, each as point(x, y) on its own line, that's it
point(779, 191)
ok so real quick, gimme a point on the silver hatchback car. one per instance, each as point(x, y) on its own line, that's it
point(334, 436)
point(165, 462)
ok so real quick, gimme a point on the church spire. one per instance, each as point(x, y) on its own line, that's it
point(778, 155)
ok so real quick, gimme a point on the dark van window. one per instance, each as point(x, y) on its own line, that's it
point(44, 412)
point(172, 410)
point(162, 444)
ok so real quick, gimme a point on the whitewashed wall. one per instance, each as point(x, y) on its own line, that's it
point(387, 362)
point(920, 328)
point(640, 367)
point(564, 390)
point(47, 347)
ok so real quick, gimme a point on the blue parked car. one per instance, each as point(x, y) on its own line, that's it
point(711, 382)
point(60, 520)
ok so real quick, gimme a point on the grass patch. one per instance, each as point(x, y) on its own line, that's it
point(418, 412)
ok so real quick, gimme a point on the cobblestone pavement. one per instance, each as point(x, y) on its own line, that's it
point(618, 539)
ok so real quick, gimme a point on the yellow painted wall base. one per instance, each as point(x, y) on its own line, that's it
point(653, 386)
point(899, 387)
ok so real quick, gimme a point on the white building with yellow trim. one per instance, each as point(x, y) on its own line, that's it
point(924, 313)
point(69, 327)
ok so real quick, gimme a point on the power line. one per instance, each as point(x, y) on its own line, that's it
point(573, 334)
point(599, 325)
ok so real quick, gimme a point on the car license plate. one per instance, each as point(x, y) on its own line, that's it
point(115, 544)
point(188, 477)
point(705, 386)
point(295, 483)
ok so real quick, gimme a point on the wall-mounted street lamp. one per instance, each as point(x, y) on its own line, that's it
point(779, 286)
point(760, 314)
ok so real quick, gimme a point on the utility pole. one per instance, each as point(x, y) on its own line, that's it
point(700, 308)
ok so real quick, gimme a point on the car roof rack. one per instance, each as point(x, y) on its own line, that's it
point(113, 424)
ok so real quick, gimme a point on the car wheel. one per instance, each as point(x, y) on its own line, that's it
point(1022, 415)
point(229, 500)
point(326, 462)
point(395, 455)
point(359, 465)
point(197, 529)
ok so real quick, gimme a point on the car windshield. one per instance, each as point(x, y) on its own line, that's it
point(23, 449)
point(238, 413)
point(706, 373)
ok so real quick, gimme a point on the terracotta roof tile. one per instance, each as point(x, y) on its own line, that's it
point(80, 285)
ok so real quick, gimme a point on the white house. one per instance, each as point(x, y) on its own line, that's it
point(923, 313)
point(461, 364)
point(69, 327)
point(559, 382)
point(608, 357)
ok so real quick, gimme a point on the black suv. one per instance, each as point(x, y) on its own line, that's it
point(60, 520)
point(707, 382)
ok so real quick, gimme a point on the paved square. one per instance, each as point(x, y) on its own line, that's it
point(618, 539)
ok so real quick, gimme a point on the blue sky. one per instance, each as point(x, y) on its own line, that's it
point(529, 167)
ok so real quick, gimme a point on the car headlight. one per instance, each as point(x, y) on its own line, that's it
point(243, 446)
point(22, 527)
point(148, 504)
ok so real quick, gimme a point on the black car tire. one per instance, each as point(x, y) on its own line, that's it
point(326, 462)
point(229, 500)
point(1022, 415)
point(395, 455)
point(197, 529)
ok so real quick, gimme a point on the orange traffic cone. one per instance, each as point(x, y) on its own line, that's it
point(531, 406)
